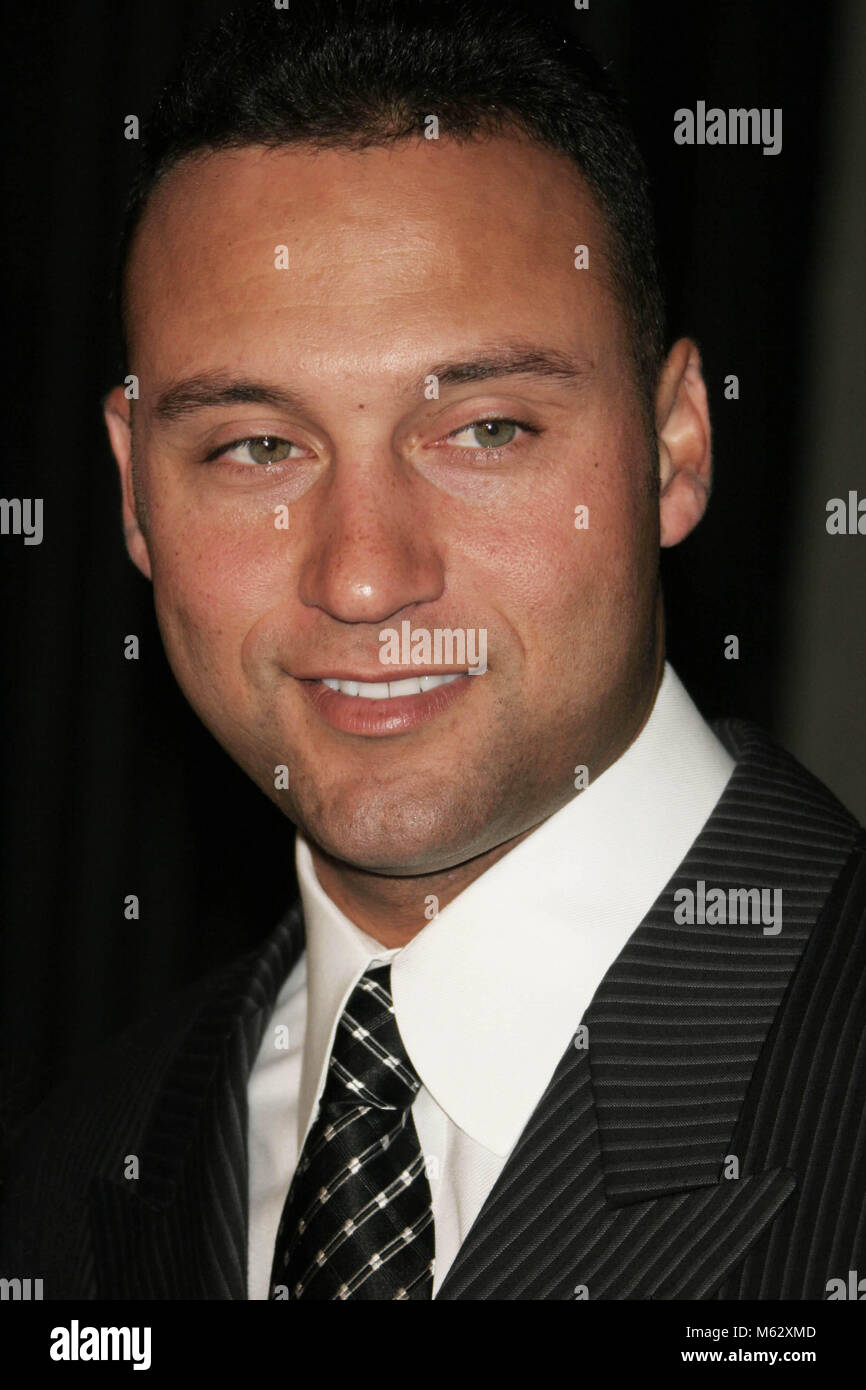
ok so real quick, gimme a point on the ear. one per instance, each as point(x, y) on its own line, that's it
point(683, 433)
point(118, 422)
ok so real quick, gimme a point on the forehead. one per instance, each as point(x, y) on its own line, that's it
point(306, 248)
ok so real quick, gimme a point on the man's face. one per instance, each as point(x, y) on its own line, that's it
point(343, 281)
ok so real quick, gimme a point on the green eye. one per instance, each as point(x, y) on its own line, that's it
point(268, 449)
point(494, 434)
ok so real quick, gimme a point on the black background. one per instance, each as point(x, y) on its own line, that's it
point(112, 785)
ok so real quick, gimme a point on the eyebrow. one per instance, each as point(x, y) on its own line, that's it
point(511, 360)
point(211, 390)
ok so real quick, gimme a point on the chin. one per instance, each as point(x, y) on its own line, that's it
point(400, 838)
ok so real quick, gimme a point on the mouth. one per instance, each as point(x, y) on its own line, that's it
point(390, 690)
point(378, 709)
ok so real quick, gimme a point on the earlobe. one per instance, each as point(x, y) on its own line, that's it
point(118, 422)
point(684, 443)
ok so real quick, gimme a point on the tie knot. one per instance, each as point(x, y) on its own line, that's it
point(369, 1064)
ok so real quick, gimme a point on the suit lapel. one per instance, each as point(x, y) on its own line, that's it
point(618, 1186)
point(548, 1231)
point(180, 1230)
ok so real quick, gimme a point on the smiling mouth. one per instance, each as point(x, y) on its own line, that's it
point(382, 709)
point(390, 690)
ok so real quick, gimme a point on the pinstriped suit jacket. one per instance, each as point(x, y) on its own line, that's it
point(709, 1143)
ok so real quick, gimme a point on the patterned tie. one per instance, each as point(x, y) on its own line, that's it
point(358, 1221)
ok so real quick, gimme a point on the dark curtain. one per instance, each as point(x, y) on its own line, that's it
point(112, 786)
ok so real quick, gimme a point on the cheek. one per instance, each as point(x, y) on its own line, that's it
point(213, 575)
point(576, 553)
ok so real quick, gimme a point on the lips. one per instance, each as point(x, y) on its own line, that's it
point(379, 709)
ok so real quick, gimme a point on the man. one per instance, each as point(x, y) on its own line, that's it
point(568, 1007)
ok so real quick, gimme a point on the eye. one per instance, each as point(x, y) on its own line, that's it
point(257, 449)
point(489, 434)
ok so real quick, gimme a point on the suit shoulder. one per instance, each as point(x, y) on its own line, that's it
point(773, 784)
point(111, 1090)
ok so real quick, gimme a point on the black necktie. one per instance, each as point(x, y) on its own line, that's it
point(357, 1221)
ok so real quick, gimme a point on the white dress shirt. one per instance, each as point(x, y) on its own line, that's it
point(490, 993)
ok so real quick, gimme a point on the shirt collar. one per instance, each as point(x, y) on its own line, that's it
point(489, 993)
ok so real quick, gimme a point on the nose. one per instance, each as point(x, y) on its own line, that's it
point(370, 549)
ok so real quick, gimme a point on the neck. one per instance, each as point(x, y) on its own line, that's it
point(386, 907)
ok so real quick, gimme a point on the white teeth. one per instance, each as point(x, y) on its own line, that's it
point(380, 690)
point(377, 691)
point(430, 682)
point(410, 686)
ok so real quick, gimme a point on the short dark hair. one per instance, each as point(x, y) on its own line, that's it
point(359, 73)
